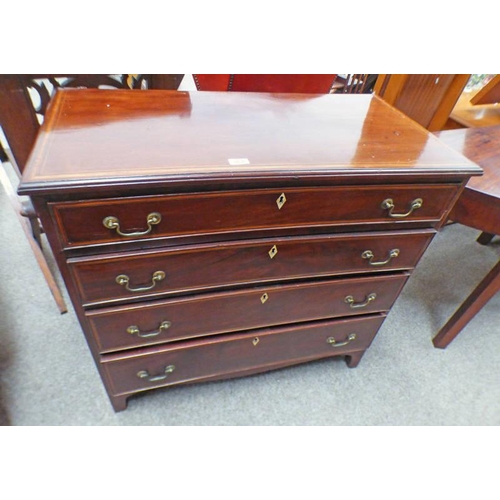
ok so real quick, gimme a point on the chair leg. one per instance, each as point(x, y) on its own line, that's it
point(471, 306)
point(44, 267)
point(485, 238)
point(36, 230)
point(33, 236)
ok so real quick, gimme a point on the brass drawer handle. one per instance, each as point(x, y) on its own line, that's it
point(112, 222)
point(368, 254)
point(388, 204)
point(124, 280)
point(333, 342)
point(356, 305)
point(134, 330)
point(155, 378)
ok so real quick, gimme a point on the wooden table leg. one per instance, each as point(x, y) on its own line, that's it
point(471, 306)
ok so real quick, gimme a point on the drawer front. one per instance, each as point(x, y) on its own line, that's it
point(208, 314)
point(229, 354)
point(123, 277)
point(189, 215)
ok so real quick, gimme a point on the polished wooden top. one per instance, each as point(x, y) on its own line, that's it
point(482, 146)
point(96, 137)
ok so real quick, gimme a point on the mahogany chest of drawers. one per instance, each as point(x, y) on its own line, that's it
point(208, 235)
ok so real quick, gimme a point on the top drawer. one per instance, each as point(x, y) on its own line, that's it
point(177, 216)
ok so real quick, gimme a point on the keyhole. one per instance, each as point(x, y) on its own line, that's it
point(255, 341)
point(281, 200)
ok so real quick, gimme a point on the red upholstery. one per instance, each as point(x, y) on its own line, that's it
point(314, 84)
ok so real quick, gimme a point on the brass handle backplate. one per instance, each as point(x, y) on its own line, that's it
point(356, 305)
point(368, 254)
point(112, 222)
point(155, 378)
point(334, 343)
point(134, 330)
point(124, 280)
point(388, 204)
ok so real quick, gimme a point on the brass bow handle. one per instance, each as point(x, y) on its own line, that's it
point(134, 330)
point(356, 305)
point(155, 378)
point(368, 254)
point(112, 222)
point(334, 343)
point(388, 204)
point(124, 280)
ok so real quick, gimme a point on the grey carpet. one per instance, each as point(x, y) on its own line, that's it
point(47, 376)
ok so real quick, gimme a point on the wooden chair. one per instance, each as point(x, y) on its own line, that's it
point(355, 84)
point(23, 101)
point(426, 99)
point(477, 207)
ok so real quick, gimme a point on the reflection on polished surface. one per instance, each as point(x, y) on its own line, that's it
point(481, 145)
point(268, 132)
point(236, 207)
point(395, 143)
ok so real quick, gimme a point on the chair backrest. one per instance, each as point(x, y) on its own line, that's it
point(24, 100)
point(307, 84)
point(356, 84)
point(427, 99)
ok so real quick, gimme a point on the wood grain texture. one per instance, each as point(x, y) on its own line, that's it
point(209, 267)
point(420, 89)
point(259, 307)
point(17, 112)
point(489, 286)
point(285, 134)
point(427, 99)
point(477, 210)
point(477, 207)
point(124, 154)
point(18, 120)
point(81, 223)
point(230, 354)
point(482, 146)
